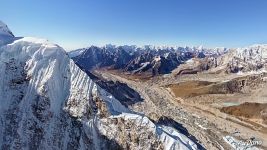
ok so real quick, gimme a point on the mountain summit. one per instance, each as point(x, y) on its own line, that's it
point(4, 30)
point(6, 35)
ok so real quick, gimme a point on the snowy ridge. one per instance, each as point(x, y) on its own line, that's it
point(241, 60)
point(76, 52)
point(5, 34)
point(133, 48)
point(171, 139)
point(47, 102)
point(253, 54)
point(4, 30)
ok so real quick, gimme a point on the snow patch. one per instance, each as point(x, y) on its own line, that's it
point(76, 53)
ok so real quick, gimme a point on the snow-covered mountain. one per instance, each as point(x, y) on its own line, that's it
point(152, 60)
point(162, 60)
point(47, 102)
point(239, 60)
point(5, 34)
point(252, 58)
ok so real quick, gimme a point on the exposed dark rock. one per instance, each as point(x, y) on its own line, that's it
point(150, 61)
point(121, 91)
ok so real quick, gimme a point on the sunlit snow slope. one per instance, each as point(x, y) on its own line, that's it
point(47, 102)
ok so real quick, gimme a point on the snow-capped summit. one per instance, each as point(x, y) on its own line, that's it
point(4, 30)
point(5, 34)
point(239, 60)
point(256, 52)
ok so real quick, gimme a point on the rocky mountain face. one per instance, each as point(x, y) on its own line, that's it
point(248, 59)
point(132, 59)
point(48, 102)
point(121, 91)
point(252, 59)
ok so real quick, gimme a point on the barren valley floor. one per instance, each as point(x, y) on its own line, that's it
point(191, 100)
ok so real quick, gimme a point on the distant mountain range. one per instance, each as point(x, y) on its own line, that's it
point(135, 60)
point(151, 60)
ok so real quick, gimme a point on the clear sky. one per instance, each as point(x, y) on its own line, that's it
point(81, 23)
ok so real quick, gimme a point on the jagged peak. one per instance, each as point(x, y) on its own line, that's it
point(6, 35)
point(4, 30)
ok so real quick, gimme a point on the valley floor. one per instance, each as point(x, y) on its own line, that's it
point(201, 114)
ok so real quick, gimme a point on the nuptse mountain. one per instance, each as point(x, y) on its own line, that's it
point(47, 102)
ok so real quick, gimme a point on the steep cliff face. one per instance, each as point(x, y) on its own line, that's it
point(47, 102)
point(44, 98)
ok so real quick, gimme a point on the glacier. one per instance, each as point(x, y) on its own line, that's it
point(47, 102)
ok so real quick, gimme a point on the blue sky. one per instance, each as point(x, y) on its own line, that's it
point(81, 23)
